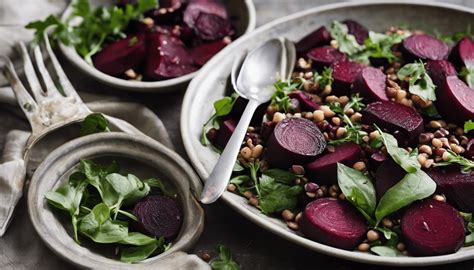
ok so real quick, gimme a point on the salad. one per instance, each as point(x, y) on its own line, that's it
point(369, 146)
point(147, 40)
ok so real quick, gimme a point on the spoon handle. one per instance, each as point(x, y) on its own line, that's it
point(219, 178)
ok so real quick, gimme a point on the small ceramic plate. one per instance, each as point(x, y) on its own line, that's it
point(245, 20)
point(212, 83)
point(138, 155)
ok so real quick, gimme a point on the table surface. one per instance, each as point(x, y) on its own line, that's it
point(252, 247)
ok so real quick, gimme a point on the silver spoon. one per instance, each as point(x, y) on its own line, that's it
point(253, 79)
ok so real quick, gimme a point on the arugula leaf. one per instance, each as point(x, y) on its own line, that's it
point(94, 123)
point(347, 43)
point(414, 186)
point(224, 261)
point(468, 126)
point(468, 74)
point(275, 196)
point(68, 198)
point(139, 253)
point(467, 165)
point(420, 82)
point(401, 156)
point(358, 189)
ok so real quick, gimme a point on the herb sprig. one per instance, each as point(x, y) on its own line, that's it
point(354, 132)
point(467, 165)
point(222, 107)
point(224, 261)
point(419, 82)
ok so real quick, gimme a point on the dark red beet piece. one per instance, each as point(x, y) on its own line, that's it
point(438, 70)
point(470, 149)
point(387, 175)
point(458, 187)
point(323, 170)
point(425, 47)
point(319, 37)
point(121, 55)
point(306, 102)
point(212, 27)
point(462, 55)
point(376, 159)
point(324, 56)
point(455, 100)
point(225, 131)
point(371, 84)
point(344, 74)
point(202, 53)
point(406, 122)
point(159, 215)
point(333, 222)
point(360, 32)
point(239, 107)
point(294, 141)
point(167, 57)
point(198, 7)
point(431, 228)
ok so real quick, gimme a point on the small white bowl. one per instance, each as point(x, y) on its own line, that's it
point(243, 10)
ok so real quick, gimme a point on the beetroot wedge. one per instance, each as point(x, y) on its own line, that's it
point(319, 37)
point(159, 215)
point(438, 70)
point(212, 27)
point(121, 55)
point(201, 54)
point(425, 47)
point(225, 131)
point(360, 32)
point(294, 141)
point(344, 74)
point(324, 56)
point(455, 100)
point(323, 170)
point(333, 222)
point(431, 228)
point(462, 55)
point(167, 57)
point(387, 175)
point(370, 83)
point(404, 122)
point(457, 186)
point(305, 100)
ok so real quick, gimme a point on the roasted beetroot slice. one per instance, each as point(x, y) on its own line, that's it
point(425, 47)
point(306, 102)
point(402, 121)
point(360, 32)
point(225, 131)
point(167, 57)
point(121, 55)
point(159, 215)
point(319, 37)
point(324, 56)
point(197, 7)
point(457, 186)
point(323, 170)
point(212, 27)
point(371, 84)
point(333, 222)
point(438, 70)
point(294, 141)
point(462, 55)
point(431, 228)
point(344, 74)
point(455, 100)
point(201, 54)
point(387, 175)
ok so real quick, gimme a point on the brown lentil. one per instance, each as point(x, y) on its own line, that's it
point(293, 225)
point(254, 201)
point(248, 194)
point(257, 151)
point(287, 215)
point(278, 117)
point(387, 223)
point(298, 217)
point(231, 188)
point(364, 247)
point(318, 116)
point(336, 120)
point(342, 196)
point(246, 152)
point(328, 113)
point(439, 198)
point(437, 143)
point(425, 149)
point(359, 165)
point(356, 117)
point(456, 148)
point(332, 99)
point(372, 235)
point(401, 246)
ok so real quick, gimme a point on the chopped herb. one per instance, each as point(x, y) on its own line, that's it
point(467, 165)
point(420, 82)
point(347, 43)
point(94, 123)
point(468, 126)
point(354, 133)
point(354, 103)
point(224, 261)
point(325, 78)
point(280, 99)
point(379, 46)
point(468, 74)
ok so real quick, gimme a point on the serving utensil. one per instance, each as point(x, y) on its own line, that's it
point(253, 79)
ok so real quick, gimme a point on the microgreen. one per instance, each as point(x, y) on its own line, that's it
point(419, 82)
point(224, 261)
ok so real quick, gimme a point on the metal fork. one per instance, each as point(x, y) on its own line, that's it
point(49, 108)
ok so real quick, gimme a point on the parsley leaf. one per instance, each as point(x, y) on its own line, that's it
point(274, 196)
point(468, 74)
point(354, 133)
point(347, 43)
point(280, 99)
point(224, 261)
point(379, 46)
point(94, 123)
point(420, 82)
point(468, 126)
point(325, 78)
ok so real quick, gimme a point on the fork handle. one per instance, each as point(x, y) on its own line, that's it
point(219, 178)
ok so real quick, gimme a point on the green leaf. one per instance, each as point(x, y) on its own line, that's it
point(467, 165)
point(420, 82)
point(401, 156)
point(281, 176)
point(156, 183)
point(138, 253)
point(358, 189)
point(137, 239)
point(275, 196)
point(238, 167)
point(468, 126)
point(379, 46)
point(94, 123)
point(98, 226)
point(414, 186)
point(325, 78)
point(223, 106)
point(346, 42)
point(468, 74)
point(386, 251)
point(469, 241)
point(224, 261)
